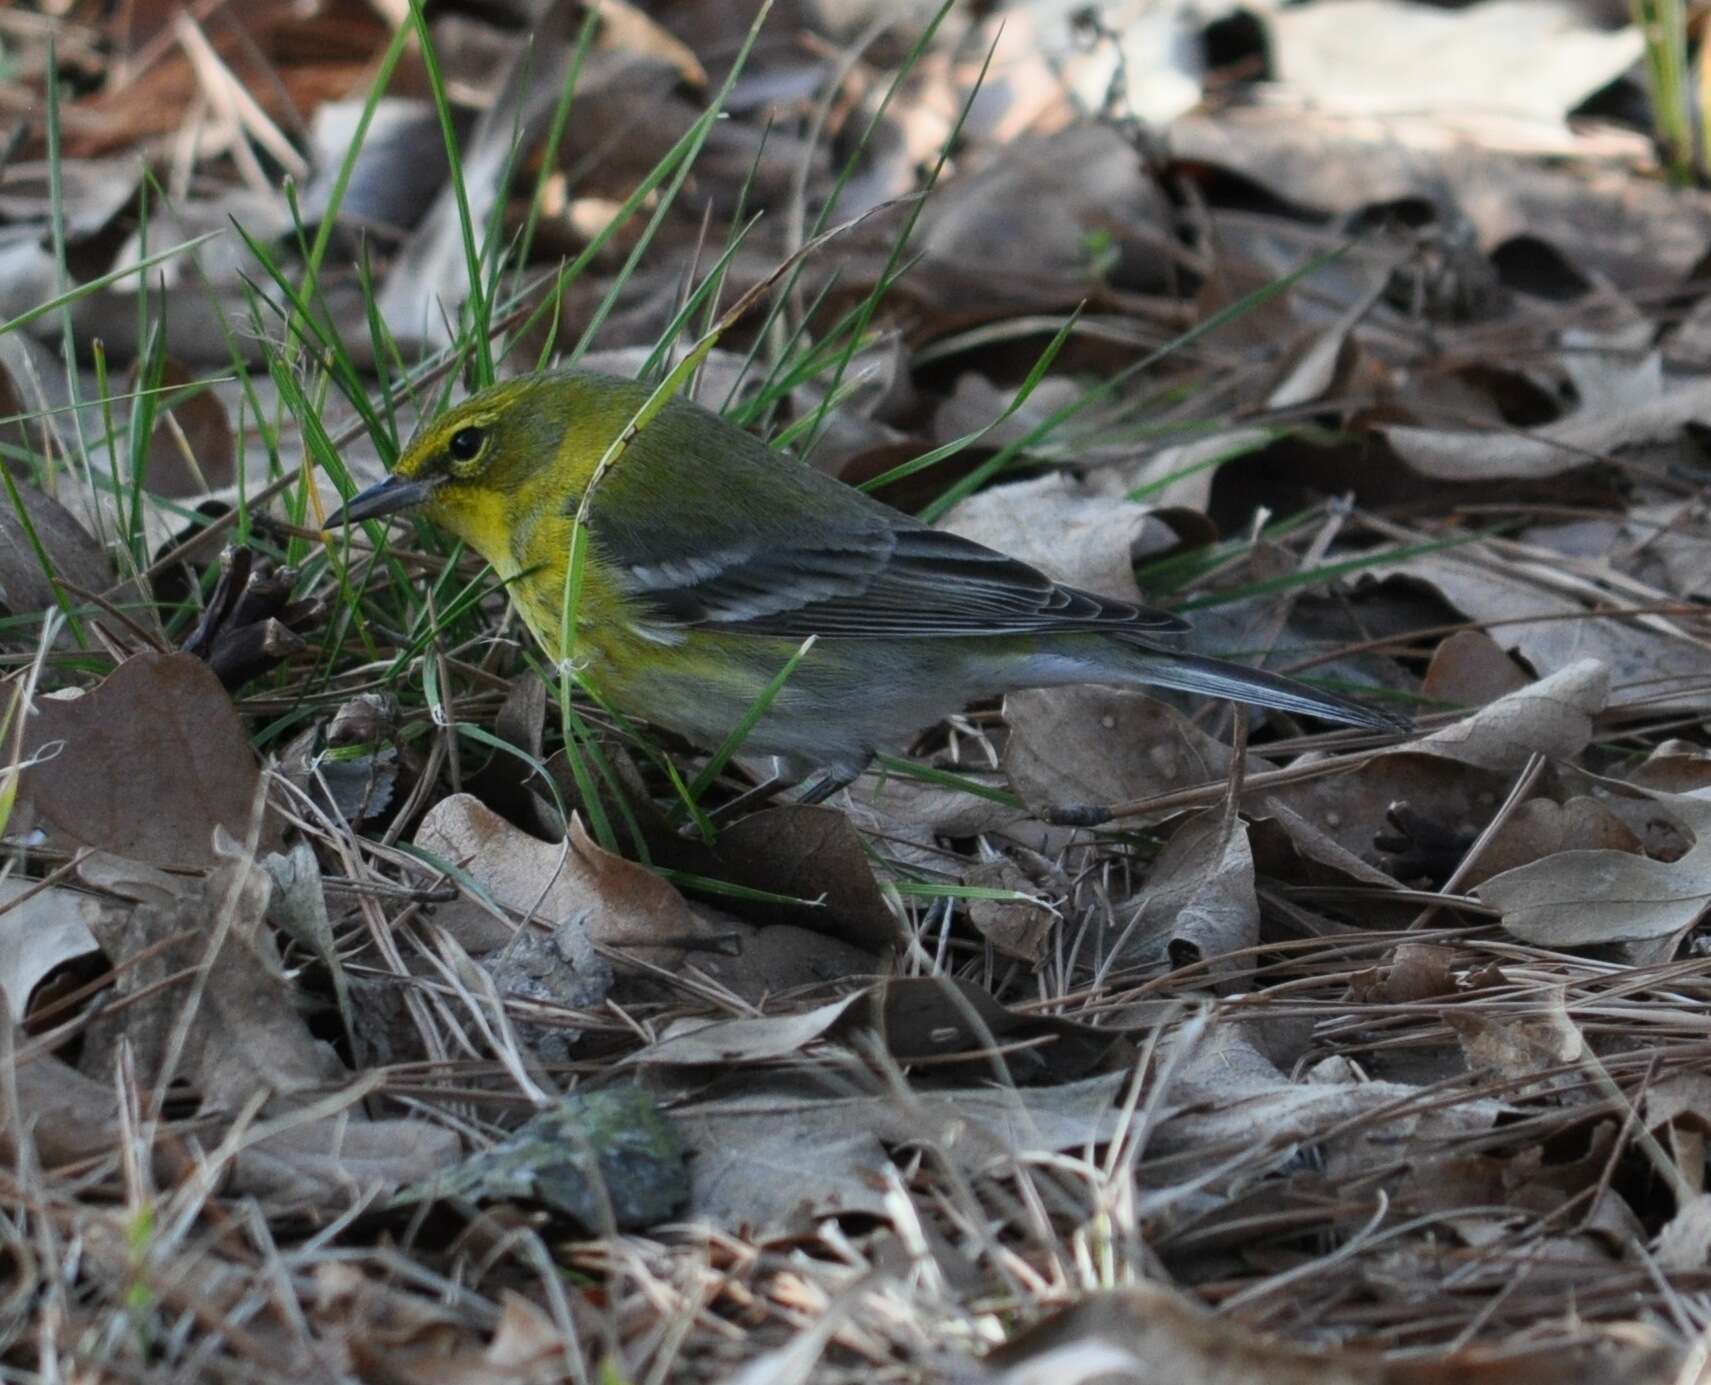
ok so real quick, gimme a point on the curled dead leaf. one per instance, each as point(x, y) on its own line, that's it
point(1198, 905)
point(602, 900)
point(1552, 717)
point(39, 929)
point(1470, 669)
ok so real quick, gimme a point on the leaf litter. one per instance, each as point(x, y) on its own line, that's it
point(1105, 1037)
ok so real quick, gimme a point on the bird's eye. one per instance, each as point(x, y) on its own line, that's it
point(465, 445)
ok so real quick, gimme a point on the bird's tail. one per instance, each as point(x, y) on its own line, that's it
point(1196, 673)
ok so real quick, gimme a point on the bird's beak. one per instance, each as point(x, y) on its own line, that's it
point(386, 497)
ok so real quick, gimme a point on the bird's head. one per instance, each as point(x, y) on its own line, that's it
point(470, 459)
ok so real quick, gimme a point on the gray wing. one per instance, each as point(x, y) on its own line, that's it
point(774, 564)
point(875, 581)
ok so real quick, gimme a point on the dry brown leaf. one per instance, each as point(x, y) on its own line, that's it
point(953, 1025)
point(1018, 928)
point(1150, 1333)
point(1084, 187)
point(1678, 1109)
point(1578, 898)
point(1683, 1096)
point(1073, 747)
point(1362, 57)
point(1517, 1049)
point(978, 404)
point(640, 914)
point(1419, 971)
point(781, 959)
point(1542, 827)
point(1453, 778)
point(1552, 717)
point(70, 1117)
point(914, 810)
point(128, 879)
point(527, 1344)
point(1643, 660)
point(1334, 821)
point(1229, 1095)
point(244, 1038)
point(1178, 478)
point(1673, 766)
point(1684, 1244)
point(192, 449)
point(338, 1160)
point(771, 1156)
point(748, 1040)
point(1063, 528)
point(1154, 1333)
point(815, 855)
point(1314, 367)
point(1198, 905)
point(32, 390)
point(76, 558)
point(585, 894)
point(1621, 402)
point(1470, 669)
point(774, 1154)
point(40, 929)
point(411, 1347)
point(363, 1314)
point(145, 765)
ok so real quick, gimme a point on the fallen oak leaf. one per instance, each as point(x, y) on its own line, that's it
point(1651, 410)
point(1453, 777)
point(1070, 747)
point(1579, 898)
point(1552, 717)
point(643, 915)
point(592, 898)
point(814, 855)
point(145, 765)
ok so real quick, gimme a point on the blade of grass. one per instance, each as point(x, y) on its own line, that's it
point(477, 304)
point(1035, 375)
point(857, 156)
point(691, 145)
point(90, 286)
point(895, 263)
point(741, 731)
point(946, 779)
point(1325, 572)
point(1046, 427)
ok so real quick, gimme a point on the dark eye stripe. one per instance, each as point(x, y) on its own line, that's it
point(465, 444)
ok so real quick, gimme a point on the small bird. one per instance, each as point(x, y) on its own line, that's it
point(712, 558)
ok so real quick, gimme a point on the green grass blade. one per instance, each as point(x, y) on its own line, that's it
point(740, 732)
point(477, 303)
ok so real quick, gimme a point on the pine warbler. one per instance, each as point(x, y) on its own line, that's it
point(712, 557)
